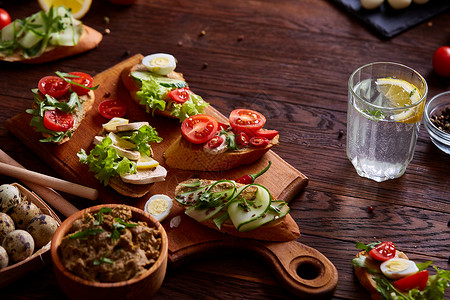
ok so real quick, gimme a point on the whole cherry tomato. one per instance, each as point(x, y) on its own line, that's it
point(199, 129)
point(58, 120)
point(5, 19)
point(441, 61)
point(383, 252)
point(53, 86)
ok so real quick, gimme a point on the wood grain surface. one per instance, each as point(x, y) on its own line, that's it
point(291, 61)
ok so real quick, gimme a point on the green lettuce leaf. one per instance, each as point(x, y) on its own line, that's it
point(195, 105)
point(142, 138)
point(151, 95)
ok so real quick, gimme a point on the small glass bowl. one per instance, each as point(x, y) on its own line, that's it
point(435, 107)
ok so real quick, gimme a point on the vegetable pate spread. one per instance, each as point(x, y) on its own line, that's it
point(108, 246)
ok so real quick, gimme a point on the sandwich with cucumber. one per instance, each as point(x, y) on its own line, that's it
point(46, 36)
point(388, 274)
point(123, 158)
point(243, 210)
point(160, 90)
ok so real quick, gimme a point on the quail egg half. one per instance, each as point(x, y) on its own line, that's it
point(159, 206)
point(396, 268)
point(160, 63)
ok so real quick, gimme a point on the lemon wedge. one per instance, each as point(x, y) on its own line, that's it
point(78, 7)
point(113, 123)
point(146, 162)
point(401, 93)
point(117, 141)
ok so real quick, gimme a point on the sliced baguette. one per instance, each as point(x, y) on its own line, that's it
point(127, 189)
point(133, 86)
point(88, 101)
point(184, 155)
point(281, 230)
point(90, 38)
point(366, 279)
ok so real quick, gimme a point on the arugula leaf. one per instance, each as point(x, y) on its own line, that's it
point(220, 219)
point(367, 247)
point(230, 139)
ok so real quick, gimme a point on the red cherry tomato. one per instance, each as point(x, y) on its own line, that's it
point(441, 61)
point(58, 120)
point(418, 280)
point(223, 126)
point(266, 133)
point(383, 252)
point(241, 139)
point(112, 108)
point(259, 141)
point(215, 142)
point(5, 19)
point(199, 129)
point(246, 120)
point(179, 95)
point(83, 79)
point(53, 86)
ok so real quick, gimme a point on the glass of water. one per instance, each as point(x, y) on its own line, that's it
point(385, 107)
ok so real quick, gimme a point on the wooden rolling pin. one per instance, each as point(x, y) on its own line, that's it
point(52, 197)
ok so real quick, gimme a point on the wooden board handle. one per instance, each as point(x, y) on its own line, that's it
point(44, 180)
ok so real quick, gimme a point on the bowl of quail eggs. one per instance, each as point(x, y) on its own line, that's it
point(27, 225)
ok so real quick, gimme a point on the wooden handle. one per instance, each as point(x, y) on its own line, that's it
point(41, 179)
point(48, 194)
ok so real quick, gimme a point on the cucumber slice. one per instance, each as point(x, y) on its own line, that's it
point(278, 209)
point(253, 209)
point(162, 80)
point(30, 39)
point(8, 33)
point(201, 215)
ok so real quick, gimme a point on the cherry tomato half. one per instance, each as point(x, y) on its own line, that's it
point(266, 133)
point(53, 86)
point(112, 108)
point(199, 129)
point(215, 142)
point(5, 19)
point(179, 95)
point(241, 139)
point(441, 61)
point(259, 141)
point(83, 79)
point(58, 120)
point(383, 252)
point(246, 120)
point(418, 280)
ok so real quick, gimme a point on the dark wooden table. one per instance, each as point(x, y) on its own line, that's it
point(290, 60)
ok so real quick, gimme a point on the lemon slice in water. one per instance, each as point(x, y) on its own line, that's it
point(401, 93)
point(79, 7)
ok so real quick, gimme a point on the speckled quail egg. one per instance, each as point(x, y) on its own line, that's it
point(4, 259)
point(19, 245)
point(6, 225)
point(159, 206)
point(23, 213)
point(371, 4)
point(42, 228)
point(9, 197)
point(399, 4)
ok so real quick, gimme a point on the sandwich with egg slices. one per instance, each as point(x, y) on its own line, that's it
point(388, 274)
point(123, 158)
point(155, 85)
point(46, 36)
point(242, 210)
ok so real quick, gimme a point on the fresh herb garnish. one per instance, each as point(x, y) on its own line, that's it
point(195, 183)
point(118, 226)
point(67, 76)
point(367, 247)
point(83, 235)
point(100, 215)
point(375, 114)
point(142, 138)
point(103, 260)
point(230, 139)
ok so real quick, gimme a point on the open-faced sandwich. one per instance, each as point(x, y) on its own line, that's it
point(207, 145)
point(46, 36)
point(156, 86)
point(122, 157)
point(388, 274)
point(60, 104)
point(243, 210)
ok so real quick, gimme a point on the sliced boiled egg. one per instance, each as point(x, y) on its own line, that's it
point(146, 162)
point(113, 123)
point(159, 63)
point(159, 206)
point(396, 268)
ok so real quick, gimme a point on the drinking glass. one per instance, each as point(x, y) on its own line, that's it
point(385, 107)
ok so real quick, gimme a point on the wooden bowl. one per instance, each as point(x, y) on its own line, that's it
point(137, 288)
point(40, 257)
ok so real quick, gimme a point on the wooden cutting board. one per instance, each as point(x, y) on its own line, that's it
point(301, 269)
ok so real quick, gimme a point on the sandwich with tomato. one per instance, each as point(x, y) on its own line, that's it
point(243, 210)
point(60, 104)
point(123, 158)
point(155, 85)
point(46, 36)
point(208, 145)
point(388, 274)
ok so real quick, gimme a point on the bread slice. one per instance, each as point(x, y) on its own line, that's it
point(127, 189)
point(366, 279)
point(281, 230)
point(184, 155)
point(90, 38)
point(88, 101)
point(133, 86)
